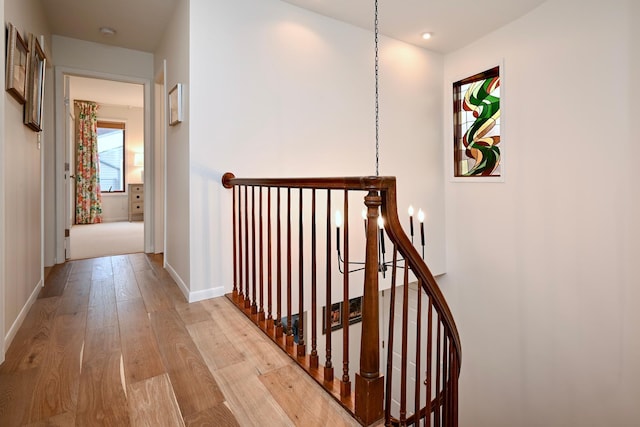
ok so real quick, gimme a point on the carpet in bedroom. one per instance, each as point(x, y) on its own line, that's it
point(107, 238)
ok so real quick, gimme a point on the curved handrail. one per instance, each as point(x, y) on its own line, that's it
point(387, 187)
point(383, 190)
point(397, 235)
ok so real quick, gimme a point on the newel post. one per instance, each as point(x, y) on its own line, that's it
point(369, 383)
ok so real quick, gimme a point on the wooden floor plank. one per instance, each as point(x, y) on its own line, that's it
point(139, 262)
point(248, 398)
point(29, 346)
point(102, 269)
point(154, 296)
point(126, 286)
point(102, 400)
point(76, 296)
point(216, 349)
point(56, 390)
point(67, 419)
point(152, 403)
point(101, 316)
point(194, 386)
point(82, 266)
point(101, 341)
point(193, 313)
point(299, 398)
point(15, 388)
point(139, 346)
point(243, 333)
point(219, 415)
point(56, 281)
point(102, 292)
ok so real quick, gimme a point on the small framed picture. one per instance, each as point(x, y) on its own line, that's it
point(175, 105)
point(16, 72)
point(355, 310)
point(35, 85)
point(336, 317)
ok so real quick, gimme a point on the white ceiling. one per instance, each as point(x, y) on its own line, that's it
point(106, 92)
point(454, 23)
point(140, 24)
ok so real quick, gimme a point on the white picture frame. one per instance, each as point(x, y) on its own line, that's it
point(175, 105)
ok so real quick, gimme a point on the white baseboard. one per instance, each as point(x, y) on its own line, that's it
point(196, 295)
point(13, 330)
point(206, 294)
point(176, 277)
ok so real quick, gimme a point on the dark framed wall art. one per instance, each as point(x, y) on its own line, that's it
point(36, 64)
point(16, 61)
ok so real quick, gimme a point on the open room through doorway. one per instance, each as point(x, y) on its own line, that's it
point(110, 222)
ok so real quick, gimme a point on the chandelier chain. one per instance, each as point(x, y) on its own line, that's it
point(375, 26)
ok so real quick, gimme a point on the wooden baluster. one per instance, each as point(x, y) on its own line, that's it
point(437, 419)
point(369, 382)
point(428, 381)
point(454, 387)
point(240, 300)
point(261, 250)
point(247, 296)
point(269, 268)
point(404, 362)
point(300, 348)
point(445, 384)
point(254, 305)
point(289, 331)
point(418, 374)
point(313, 358)
point(345, 384)
point(235, 246)
point(278, 320)
point(392, 317)
point(328, 366)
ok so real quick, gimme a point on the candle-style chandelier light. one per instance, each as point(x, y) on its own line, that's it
point(382, 263)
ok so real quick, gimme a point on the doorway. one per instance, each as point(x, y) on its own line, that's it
point(119, 228)
point(127, 102)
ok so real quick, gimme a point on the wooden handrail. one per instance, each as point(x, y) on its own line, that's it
point(438, 404)
point(420, 269)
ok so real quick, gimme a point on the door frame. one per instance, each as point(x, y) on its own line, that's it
point(60, 143)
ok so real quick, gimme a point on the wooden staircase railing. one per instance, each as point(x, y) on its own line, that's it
point(286, 280)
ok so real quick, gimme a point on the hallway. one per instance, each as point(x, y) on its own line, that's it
point(112, 341)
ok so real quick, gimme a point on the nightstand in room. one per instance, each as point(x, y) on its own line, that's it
point(136, 201)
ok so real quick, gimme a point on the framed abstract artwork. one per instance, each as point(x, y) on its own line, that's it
point(175, 105)
point(16, 73)
point(477, 149)
point(35, 85)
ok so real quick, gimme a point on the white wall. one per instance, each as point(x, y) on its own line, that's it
point(22, 180)
point(174, 48)
point(115, 207)
point(542, 269)
point(286, 92)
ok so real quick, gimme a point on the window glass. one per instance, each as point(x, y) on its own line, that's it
point(111, 156)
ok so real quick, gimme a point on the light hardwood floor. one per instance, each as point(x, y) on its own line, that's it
point(111, 341)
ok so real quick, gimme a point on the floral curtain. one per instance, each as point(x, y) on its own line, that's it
point(88, 198)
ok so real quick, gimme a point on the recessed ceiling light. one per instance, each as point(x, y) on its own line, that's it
point(427, 36)
point(107, 31)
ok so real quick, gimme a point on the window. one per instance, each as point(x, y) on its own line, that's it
point(476, 129)
point(111, 156)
